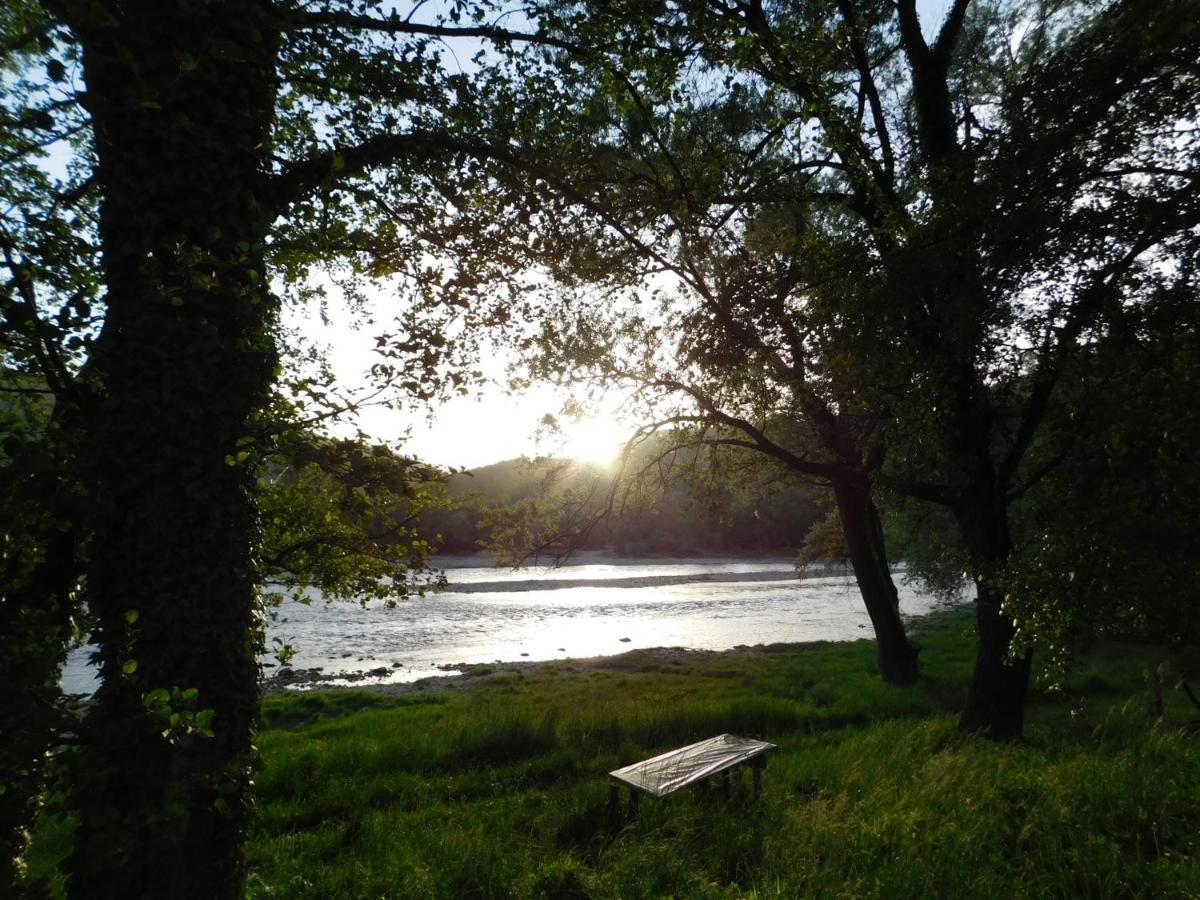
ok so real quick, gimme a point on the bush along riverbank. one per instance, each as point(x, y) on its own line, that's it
point(498, 789)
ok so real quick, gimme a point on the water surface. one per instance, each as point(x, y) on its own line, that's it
point(592, 606)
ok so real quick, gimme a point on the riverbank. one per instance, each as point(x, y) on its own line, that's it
point(495, 787)
point(460, 676)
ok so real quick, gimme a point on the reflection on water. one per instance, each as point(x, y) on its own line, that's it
point(605, 608)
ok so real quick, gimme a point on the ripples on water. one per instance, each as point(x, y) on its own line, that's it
point(583, 609)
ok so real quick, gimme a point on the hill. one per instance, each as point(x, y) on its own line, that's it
point(675, 518)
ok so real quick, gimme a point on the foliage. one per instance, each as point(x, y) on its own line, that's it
point(922, 234)
point(926, 538)
point(47, 292)
point(341, 517)
point(825, 542)
point(1112, 549)
point(138, 299)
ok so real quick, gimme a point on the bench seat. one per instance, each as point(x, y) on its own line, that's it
point(664, 774)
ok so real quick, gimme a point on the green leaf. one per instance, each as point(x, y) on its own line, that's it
point(129, 666)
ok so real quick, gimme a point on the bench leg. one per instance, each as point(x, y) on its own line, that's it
point(634, 797)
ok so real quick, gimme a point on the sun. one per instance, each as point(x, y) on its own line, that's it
point(595, 440)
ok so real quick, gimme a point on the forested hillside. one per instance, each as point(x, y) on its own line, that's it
point(674, 521)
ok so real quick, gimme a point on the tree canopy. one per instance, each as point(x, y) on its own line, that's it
point(954, 265)
point(217, 154)
point(927, 235)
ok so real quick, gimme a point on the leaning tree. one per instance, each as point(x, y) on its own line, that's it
point(995, 197)
point(665, 231)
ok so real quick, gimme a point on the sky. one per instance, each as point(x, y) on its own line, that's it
point(493, 424)
point(489, 425)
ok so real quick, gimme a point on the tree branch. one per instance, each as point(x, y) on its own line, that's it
point(302, 21)
point(45, 347)
point(943, 47)
point(303, 176)
point(1172, 217)
point(759, 440)
point(867, 80)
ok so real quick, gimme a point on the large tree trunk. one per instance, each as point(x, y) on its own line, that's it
point(996, 698)
point(864, 539)
point(181, 94)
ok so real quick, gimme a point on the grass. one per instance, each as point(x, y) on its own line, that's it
point(499, 791)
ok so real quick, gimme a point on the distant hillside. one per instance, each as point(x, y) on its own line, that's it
point(774, 519)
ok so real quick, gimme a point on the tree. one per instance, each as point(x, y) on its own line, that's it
point(627, 181)
point(1070, 196)
point(222, 143)
point(983, 201)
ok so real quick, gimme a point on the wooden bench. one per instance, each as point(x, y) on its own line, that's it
point(694, 764)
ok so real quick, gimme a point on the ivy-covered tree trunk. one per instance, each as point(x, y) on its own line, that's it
point(181, 95)
point(868, 555)
point(1000, 682)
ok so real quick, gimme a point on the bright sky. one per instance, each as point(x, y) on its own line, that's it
point(496, 425)
point(489, 426)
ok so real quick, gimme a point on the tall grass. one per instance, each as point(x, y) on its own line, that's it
point(499, 791)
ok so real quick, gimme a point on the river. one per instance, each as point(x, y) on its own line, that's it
point(592, 606)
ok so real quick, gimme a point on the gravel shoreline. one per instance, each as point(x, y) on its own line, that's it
point(652, 659)
point(463, 675)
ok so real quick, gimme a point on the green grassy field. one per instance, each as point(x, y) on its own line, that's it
point(499, 791)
